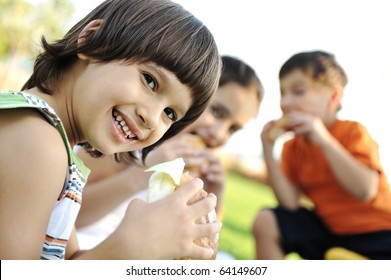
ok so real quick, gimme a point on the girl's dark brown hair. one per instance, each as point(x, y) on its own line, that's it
point(138, 31)
point(237, 71)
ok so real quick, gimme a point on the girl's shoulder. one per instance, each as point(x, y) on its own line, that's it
point(23, 126)
point(26, 133)
point(26, 115)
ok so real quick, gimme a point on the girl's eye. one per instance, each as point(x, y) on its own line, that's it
point(299, 91)
point(233, 129)
point(150, 81)
point(170, 114)
point(217, 112)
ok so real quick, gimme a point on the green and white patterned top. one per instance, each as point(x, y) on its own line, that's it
point(68, 204)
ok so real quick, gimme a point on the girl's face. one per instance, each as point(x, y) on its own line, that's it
point(119, 107)
point(300, 93)
point(230, 108)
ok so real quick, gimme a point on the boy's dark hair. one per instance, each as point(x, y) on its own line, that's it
point(320, 65)
point(159, 31)
point(235, 70)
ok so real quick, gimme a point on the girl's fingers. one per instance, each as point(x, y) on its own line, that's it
point(203, 206)
point(204, 231)
point(193, 160)
point(209, 230)
point(201, 253)
point(188, 189)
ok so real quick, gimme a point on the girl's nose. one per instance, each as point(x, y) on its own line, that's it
point(218, 135)
point(149, 116)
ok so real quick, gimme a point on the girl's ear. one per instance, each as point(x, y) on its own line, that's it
point(336, 96)
point(87, 31)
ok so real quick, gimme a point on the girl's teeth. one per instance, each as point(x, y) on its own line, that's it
point(121, 124)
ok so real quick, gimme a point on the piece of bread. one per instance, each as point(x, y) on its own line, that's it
point(278, 128)
point(197, 142)
point(212, 241)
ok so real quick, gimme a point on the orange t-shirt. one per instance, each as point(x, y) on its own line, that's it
point(305, 165)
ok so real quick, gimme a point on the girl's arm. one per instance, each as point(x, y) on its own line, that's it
point(32, 171)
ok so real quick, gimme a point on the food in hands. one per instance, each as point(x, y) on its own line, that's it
point(167, 177)
point(279, 128)
point(197, 143)
point(195, 140)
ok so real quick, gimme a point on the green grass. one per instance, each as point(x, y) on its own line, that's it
point(243, 199)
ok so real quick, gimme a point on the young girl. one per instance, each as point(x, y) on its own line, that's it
point(334, 163)
point(128, 76)
point(235, 102)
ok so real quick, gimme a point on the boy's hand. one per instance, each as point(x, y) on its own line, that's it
point(309, 127)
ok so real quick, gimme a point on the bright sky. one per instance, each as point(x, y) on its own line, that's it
point(266, 33)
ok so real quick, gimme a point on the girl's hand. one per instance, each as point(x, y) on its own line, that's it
point(214, 175)
point(165, 229)
point(212, 172)
point(178, 146)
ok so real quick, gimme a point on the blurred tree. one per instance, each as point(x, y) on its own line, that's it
point(22, 23)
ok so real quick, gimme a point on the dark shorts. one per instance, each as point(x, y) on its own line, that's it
point(303, 232)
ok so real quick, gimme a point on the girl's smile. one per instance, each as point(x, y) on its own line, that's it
point(124, 128)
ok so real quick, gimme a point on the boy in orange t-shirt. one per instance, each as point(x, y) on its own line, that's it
point(334, 163)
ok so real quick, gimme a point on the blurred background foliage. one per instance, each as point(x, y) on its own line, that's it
point(22, 24)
